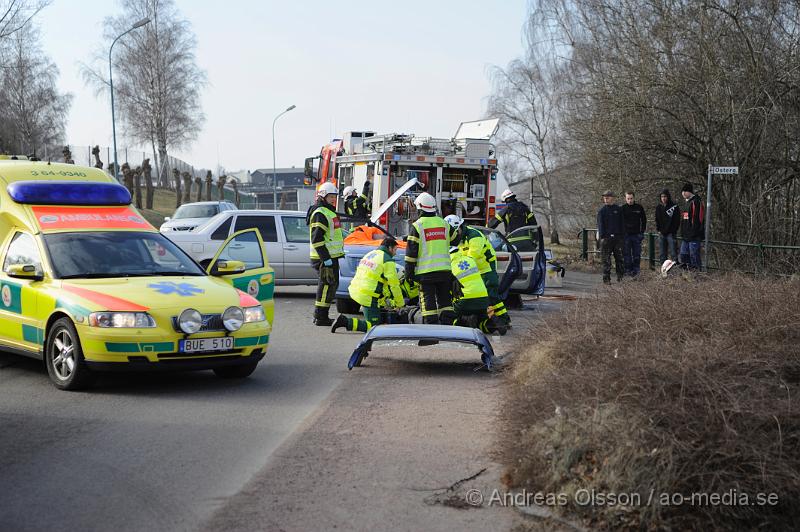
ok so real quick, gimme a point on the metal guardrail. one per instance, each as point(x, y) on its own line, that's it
point(723, 254)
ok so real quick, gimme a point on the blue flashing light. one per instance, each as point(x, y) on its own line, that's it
point(395, 157)
point(484, 161)
point(68, 193)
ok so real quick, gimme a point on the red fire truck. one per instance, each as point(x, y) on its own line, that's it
point(459, 172)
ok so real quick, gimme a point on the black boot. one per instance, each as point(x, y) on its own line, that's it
point(431, 320)
point(341, 321)
point(321, 318)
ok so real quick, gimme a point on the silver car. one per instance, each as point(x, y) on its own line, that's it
point(191, 215)
point(285, 236)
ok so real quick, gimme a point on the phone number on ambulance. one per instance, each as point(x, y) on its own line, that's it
point(62, 173)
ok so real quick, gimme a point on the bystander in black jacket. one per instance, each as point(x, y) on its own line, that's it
point(668, 217)
point(635, 218)
point(693, 220)
point(610, 222)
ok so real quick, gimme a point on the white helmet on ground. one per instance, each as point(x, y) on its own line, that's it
point(425, 202)
point(454, 220)
point(666, 267)
point(349, 191)
point(506, 194)
point(327, 188)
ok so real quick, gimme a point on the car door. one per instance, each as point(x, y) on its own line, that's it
point(265, 224)
point(529, 241)
point(19, 323)
point(296, 247)
point(257, 279)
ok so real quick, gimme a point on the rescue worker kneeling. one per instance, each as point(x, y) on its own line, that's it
point(473, 243)
point(470, 298)
point(375, 271)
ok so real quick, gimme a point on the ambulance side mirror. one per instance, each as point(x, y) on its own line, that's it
point(24, 271)
point(227, 267)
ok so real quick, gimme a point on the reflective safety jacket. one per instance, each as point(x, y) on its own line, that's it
point(358, 206)
point(514, 215)
point(375, 271)
point(429, 245)
point(326, 233)
point(479, 249)
point(465, 270)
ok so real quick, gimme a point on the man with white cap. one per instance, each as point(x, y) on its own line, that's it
point(327, 247)
point(428, 261)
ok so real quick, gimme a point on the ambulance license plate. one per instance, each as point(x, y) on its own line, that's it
point(224, 343)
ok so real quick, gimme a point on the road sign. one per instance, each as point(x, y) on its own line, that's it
point(724, 169)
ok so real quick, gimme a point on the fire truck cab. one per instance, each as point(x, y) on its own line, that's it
point(459, 172)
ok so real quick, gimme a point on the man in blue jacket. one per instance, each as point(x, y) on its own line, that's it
point(611, 233)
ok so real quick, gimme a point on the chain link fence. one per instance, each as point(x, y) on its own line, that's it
point(724, 256)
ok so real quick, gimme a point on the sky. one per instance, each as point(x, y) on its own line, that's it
point(418, 67)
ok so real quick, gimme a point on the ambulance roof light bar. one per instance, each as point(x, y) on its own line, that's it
point(68, 193)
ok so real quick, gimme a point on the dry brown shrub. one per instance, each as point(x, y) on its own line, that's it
point(664, 386)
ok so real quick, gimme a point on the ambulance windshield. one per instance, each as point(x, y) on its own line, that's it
point(116, 254)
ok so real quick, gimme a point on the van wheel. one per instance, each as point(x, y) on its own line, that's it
point(347, 306)
point(236, 372)
point(64, 357)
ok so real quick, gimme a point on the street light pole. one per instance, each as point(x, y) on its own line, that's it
point(111, 84)
point(274, 170)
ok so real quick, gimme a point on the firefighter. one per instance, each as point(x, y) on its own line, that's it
point(471, 299)
point(355, 205)
point(428, 261)
point(474, 244)
point(376, 271)
point(327, 247)
point(514, 215)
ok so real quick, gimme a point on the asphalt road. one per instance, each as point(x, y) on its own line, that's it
point(157, 451)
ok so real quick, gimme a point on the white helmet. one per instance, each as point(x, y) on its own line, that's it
point(506, 194)
point(425, 202)
point(453, 249)
point(349, 191)
point(327, 188)
point(454, 220)
point(666, 267)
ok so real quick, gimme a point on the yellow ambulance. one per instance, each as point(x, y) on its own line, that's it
point(88, 285)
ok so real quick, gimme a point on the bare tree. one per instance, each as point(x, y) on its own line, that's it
point(176, 175)
point(137, 185)
point(235, 187)
point(209, 184)
point(157, 82)
point(96, 153)
point(656, 91)
point(33, 112)
point(147, 170)
point(16, 14)
point(526, 98)
point(187, 187)
point(221, 186)
point(127, 177)
point(198, 182)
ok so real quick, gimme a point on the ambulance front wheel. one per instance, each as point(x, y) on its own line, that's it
point(64, 357)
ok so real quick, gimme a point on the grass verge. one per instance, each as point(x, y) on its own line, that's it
point(663, 391)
